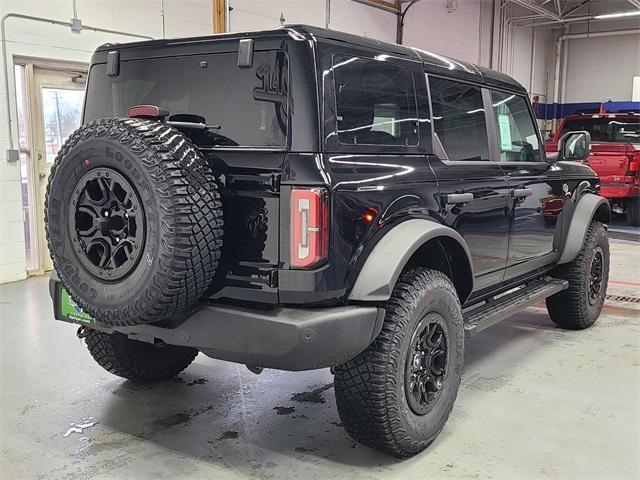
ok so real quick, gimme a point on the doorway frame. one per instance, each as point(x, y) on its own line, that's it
point(33, 193)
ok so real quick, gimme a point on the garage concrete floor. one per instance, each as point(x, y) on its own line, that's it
point(535, 402)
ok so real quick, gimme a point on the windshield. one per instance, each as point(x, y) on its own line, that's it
point(607, 129)
point(247, 106)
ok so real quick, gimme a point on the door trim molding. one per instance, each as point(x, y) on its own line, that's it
point(38, 75)
point(51, 64)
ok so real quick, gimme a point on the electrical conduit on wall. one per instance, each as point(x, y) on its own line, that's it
point(5, 67)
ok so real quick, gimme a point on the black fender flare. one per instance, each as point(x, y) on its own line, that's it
point(588, 207)
point(391, 254)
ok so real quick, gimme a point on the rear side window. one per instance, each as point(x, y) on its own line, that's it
point(517, 136)
point(375, 102)
point(459, 119)
point(245, 106)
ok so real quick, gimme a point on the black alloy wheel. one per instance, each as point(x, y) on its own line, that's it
point(426, 364)
point(108, 226)
point(595, 276)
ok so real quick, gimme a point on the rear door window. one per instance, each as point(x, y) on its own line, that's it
point(375, 102)
point(459, 121)
point(244, 106)
point(516, 130)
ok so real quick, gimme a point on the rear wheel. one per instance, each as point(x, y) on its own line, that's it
point(137, 360)
point(396, 396)
point(579, 306)
point(633, 212)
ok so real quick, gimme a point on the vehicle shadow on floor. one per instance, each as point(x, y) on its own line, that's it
point(221, 413)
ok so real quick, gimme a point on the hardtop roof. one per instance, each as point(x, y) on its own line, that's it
point(434, 63)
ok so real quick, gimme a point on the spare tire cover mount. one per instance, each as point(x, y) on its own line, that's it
point(134, 220)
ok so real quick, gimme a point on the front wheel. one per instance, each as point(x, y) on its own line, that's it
point(579, 306)
point(396, 396)
point(137, 360)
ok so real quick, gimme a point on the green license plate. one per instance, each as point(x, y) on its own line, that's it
point(71, 311)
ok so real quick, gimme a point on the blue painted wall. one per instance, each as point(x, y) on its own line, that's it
point(549, 111)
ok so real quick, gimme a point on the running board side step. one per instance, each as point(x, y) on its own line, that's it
point(495, 310)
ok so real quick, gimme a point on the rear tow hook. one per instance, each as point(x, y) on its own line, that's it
point(82, 332)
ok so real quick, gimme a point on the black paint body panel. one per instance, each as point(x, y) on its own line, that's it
point(508, 239)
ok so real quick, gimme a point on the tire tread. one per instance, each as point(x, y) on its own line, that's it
point(365, 387)
point(568, 309)
point(136, 360)
point(190, 219)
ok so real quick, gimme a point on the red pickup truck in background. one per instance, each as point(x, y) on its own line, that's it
point(615, 156)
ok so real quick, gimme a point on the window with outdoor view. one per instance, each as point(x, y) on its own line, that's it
point(516, 131)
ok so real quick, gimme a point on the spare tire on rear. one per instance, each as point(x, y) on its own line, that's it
point(134, 220)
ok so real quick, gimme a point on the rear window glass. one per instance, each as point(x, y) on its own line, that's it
point(245, 106)
point(375, 102)
point(607, 129)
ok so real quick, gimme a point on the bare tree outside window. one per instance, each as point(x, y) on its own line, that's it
point(62, 110)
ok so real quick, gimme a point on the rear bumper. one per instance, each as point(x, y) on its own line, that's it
point(613, 190)
point(282, 338)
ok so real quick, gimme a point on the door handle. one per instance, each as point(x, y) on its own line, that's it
point(455, 198)
point(522, 192)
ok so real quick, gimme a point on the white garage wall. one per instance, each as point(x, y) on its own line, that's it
point(601, 68)
point(530, 59)
point(345, 15)
point(597, 68)
point(360, 19)
point(251, 15)
point(30, 39)
point(428, 25)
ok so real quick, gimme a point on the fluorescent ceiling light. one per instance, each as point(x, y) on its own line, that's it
point(617, 15)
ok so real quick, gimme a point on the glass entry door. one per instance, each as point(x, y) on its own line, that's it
point(55, 101)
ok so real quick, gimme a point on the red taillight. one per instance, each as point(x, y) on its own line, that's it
point(146, 111)
point(634, 163)
point(309, 226)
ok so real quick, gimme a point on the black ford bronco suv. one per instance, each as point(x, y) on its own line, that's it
point(301, 199)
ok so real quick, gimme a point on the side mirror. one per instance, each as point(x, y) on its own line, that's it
point(574, 146)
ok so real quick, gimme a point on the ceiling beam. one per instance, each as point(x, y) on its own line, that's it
point(576, 8)
point(558, 7)
point(635, 3)
point(534, 7)
point(565, 21)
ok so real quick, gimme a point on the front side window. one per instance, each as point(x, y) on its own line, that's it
point(375, 102)
point(516, 131)
point(459, 119)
